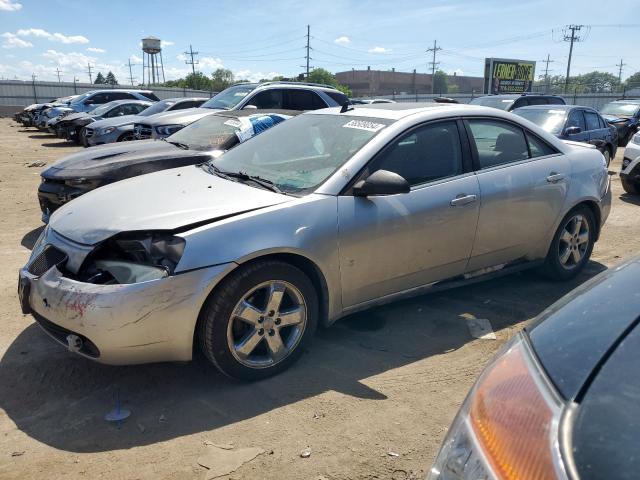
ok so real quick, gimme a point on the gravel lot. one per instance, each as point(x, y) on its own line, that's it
point(381, 383)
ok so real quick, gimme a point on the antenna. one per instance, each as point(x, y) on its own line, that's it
point(433, 63)
point(571, 38)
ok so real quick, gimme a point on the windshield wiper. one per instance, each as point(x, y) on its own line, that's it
point(183, 146)
point(263, 182)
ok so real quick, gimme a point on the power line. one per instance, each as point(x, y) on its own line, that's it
point(433, 64)
point(192, 62)
point(570, 38)
point(620, 71)
point(89, 72)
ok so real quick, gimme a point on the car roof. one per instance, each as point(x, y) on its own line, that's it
point(396, 111)
point(553, 107)
point(252, 111)
point(183, 99)
point(294, 85)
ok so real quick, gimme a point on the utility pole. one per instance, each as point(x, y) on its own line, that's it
point(433, 64)
point(58, 72)
point(546, 72)
point(193, 64)
point(75, 88)
point(131, 77)
point(570, 38)
point(33, 83)
point(89, 72)
point(620, 71)
point(308, 47)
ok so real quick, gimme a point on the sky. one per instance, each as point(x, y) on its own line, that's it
point(262, 39)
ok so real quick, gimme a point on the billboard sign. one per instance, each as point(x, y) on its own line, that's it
point(508, 76)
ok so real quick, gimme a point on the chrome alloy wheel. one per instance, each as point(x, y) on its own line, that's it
point(267, 324)
point(574, 242)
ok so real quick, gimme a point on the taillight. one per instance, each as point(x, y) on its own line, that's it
point(507, 427)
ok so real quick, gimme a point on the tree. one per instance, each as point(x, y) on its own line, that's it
point(196, 81)
point(100, 80)
point(633, 81)
point(320, 75)
point(222, 78)
point(111, 79)
point(440, 85)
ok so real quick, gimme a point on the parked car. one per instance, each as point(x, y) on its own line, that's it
point(630, 172)
point(625, 116)
point(570, 122)
point(263, 96)
point(121, 129)
point(71, 126)
point(30, 114)
point(331, 212)
point(560, 400)
point(510, 102)
point(207, 138)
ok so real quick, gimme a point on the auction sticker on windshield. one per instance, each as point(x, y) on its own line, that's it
point(364, 125)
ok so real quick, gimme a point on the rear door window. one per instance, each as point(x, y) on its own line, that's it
point(100, 98)
point(302, 100)
point(537, 101)
point(555, 101)
point(497, 142)
point(122, 96)
point(267, 99)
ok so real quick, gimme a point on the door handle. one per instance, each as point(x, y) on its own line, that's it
point(463, 199)
point(555, 177)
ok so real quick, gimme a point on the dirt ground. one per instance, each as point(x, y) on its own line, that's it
point(386, 381)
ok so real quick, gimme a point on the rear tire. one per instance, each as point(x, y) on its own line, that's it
point(571, 246)
point(259, 320)
point(632, 188)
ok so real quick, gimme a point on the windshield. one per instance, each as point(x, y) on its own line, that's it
point(626, 109)
point(550, 120)
point(297, 158)
point(230, 97)
point(157, 107)
point(81, 97)
point(208, 133)
point(494, 102)
point(102, 109)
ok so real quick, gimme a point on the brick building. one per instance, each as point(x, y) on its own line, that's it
point(368, 83)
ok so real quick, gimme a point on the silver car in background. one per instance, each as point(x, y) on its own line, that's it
point(121, 129)
point(329, 213)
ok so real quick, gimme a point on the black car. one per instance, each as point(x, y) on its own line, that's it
point(198, 142)
point(562, 399)
point(625, 116)
point(571, 122)
point(513, 101)
point(71, 125)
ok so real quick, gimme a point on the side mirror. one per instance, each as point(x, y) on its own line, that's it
point(249, 107)
point(572, 130)
point(381, 182)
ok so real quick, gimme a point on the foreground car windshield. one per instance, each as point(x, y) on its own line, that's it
point(550, 120)
point(156, 108)
point(298, 157)
point(229, 98)
point(501, 103)
point(627, 109)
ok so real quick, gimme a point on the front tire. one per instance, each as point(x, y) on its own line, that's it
point(127, 137)
point(259, 320)
point(572, 245)
point(632, 188)
point(606, 153)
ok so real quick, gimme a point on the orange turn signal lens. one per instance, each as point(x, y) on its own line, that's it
point(514, 419)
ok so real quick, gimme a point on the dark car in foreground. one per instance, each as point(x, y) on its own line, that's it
point(207, 138)
point(625, 116)
point(71, 126)
point(571, 122)
point(561, 399)
point(510, 102)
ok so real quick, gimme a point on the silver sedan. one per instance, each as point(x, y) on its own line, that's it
point(329, 213)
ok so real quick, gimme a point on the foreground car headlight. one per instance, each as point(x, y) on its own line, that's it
point(106, 131)
point(82, 183)
point(134, 257)
point(636, 139)
point(168, 129)
point(507, 427)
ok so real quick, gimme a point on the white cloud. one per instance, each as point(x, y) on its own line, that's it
point(166, 43)
point(457, 71)
point(10, 6)
point(96, 50)
point(210, 63)
point(254, 76)
point(53, 37)
point(379, 50)
point(181, 57)
point(342, 40)
point(11, 41)
point(135, 59)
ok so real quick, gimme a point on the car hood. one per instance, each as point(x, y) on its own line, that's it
point(615, 118)
point(165, 200)
point(182, 117)
point(118, 121)
point(75, 116)
point(91, 161)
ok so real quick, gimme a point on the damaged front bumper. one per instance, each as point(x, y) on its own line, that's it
point(117, 324)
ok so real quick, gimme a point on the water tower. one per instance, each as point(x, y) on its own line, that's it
point(152, 67)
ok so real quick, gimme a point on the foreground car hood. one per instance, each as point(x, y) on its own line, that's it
point(183, 117)
point(165, 200)
point(91, 161)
